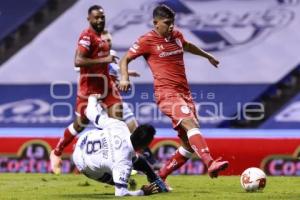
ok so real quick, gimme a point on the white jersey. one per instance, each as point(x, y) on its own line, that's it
point(106, 155)
point(114, 70)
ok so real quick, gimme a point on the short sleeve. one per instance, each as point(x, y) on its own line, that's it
point(181, 37)
point(139, 48)
point(84, 43)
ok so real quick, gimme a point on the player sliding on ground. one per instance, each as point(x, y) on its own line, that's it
point(163, 49)
point(108, 154)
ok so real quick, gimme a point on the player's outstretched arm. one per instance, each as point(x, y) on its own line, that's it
point(81, 60)
point(145, 190)
point(124, 84)
point(191, 48)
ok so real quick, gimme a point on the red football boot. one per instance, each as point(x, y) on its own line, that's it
point(216, 166)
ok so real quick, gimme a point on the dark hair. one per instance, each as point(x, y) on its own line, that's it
point(142, 136)
point(163, 11)
point(94, 7)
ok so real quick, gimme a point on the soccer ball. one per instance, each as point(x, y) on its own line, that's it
point(253, 179)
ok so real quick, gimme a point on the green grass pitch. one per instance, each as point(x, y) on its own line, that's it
point(49, 186)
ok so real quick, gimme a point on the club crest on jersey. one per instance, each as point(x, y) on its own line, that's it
point(159, 47)
point(178, 42)
point(185, 109)
point(118, 142)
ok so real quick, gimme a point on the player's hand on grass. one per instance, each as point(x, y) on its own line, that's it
point(124, 85)
point(150, 189)
point(213, 61)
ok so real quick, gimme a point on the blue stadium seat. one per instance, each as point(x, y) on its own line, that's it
point(13, 13)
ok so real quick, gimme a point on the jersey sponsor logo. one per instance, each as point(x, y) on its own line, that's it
point(170, 53)
point(215, 29)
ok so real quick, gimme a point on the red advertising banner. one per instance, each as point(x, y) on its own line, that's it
point(278, 156)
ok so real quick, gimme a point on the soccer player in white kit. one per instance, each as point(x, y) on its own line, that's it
point(108, 154)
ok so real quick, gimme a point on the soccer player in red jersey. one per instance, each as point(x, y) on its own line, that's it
point(163, 50)
point(92, 57)
point(128, 116)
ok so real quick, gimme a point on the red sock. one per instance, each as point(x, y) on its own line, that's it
point(199, 145)
point(68, 137)
point(177, 160)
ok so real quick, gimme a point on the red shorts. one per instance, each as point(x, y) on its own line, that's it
point(177, 107)
point(112, 97)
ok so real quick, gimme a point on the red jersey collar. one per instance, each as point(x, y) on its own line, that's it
point(157, 34)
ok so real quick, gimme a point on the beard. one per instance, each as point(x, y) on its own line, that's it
point(98, 28)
